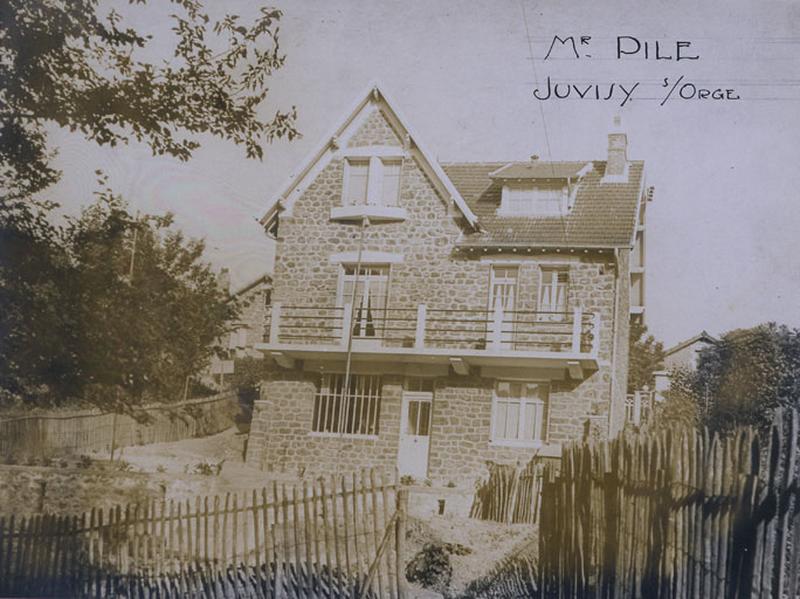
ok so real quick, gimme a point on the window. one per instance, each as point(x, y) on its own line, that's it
point(502, 297)
point(554, 294)
point(373, 181)
point(518, 413)
point(357, 182)
point(354, 411)
point(534, 199)
point(371, 296)
point(390, 187)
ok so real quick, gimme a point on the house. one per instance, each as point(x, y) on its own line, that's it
point(431, 317)
point(254, 298)
point(685, 353)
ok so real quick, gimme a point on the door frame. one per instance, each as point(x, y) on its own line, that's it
point(406, 398)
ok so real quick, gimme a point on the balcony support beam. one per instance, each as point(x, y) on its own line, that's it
point(460, 366)
point(575, 370)
point(282, 359)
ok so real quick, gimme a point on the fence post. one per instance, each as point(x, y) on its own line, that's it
point(400, 542)
point(419, 333)
point(274, 323)
point(577, 330)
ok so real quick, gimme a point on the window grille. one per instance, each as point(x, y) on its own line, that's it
point(355, 411)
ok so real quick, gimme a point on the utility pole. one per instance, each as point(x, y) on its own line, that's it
point(349, 333)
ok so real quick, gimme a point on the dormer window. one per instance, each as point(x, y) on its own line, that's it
point(534, 199)
point(539, 189)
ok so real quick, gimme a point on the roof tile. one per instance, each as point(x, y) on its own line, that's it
point(603, 215)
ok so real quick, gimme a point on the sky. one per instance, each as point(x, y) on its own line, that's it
point(721, 250)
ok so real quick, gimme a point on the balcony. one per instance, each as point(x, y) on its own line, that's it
point(564, 341)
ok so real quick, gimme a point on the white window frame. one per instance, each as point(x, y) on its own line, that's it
point(364, 405)
point(506, 208)
point(342, 301)
point(543, 423)
point(375, 179)
point(540, 306)
point(346, 185)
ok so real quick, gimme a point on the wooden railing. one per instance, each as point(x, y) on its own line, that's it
point(421, 327)
point(340, 537)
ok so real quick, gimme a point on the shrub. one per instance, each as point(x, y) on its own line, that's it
point(431, 568)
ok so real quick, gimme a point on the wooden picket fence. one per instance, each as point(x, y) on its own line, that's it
point(336, 537)
point(510, 495)
point(83, 431)
point(679, 514)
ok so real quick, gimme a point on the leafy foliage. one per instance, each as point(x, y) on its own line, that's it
point(60, 62)
point(646, 358)
point(110, 309)
point(747, 374)
point(680, 407)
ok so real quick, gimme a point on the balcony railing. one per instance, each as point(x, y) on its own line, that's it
point(574, 332)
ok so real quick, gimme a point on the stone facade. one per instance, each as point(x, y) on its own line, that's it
point(428, 269)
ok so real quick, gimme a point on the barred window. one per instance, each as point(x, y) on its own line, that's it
point(355, 411)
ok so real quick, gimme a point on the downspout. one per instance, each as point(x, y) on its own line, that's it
point(613, 379)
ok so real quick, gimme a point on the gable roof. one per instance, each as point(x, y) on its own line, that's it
point(603, 215)
point(374, 95)
point(702, 336)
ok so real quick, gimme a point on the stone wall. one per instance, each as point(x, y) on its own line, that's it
point(281, 441)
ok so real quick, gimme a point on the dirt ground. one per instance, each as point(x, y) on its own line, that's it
point(486, 542)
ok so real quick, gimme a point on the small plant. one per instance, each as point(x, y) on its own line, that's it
point(84, 461)
point(124, 466)
point(451, 485)
point(63, 464)
point(407, 480)
point(204, 469)
point(161, 469)
point(431, 568)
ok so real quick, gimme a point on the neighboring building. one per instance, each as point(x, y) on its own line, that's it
point(249, 329)
point(477, 311)
point(684, 354)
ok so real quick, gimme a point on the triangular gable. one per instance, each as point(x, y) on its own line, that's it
point(374, 98)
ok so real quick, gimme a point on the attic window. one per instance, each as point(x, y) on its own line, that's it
point(372, 181)
point(534, 198)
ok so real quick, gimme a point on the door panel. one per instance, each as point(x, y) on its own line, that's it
point(415, 427)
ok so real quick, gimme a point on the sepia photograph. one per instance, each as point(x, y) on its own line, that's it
point(405, 299)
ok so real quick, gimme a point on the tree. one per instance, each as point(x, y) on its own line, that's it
point(131, 312)
point(646, 358)
point(62, 63)
point(749, 373)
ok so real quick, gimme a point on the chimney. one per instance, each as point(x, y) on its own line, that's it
point(617, 165)
point(224, 280)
